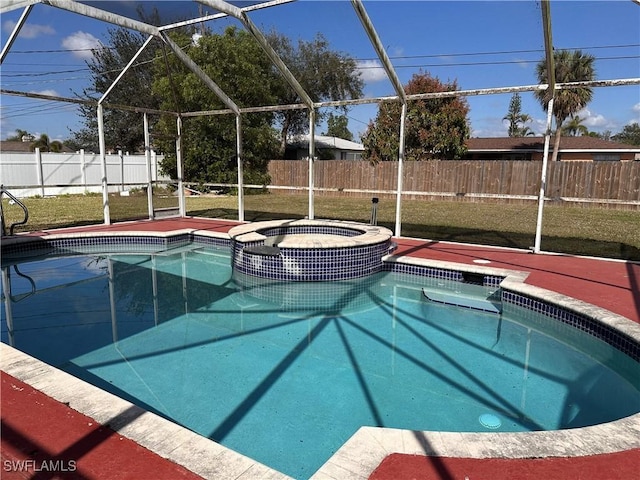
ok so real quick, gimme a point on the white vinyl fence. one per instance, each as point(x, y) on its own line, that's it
point(43, 174)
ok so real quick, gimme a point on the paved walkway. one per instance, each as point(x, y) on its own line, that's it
point(37, 428)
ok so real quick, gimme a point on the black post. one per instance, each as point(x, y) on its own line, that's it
point(374, 211)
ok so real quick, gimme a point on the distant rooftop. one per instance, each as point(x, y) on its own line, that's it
point(536, 144)
point(323, 141)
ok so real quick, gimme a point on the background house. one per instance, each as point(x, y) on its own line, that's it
point(327, 148)
point(532, 148)
point(17, 146)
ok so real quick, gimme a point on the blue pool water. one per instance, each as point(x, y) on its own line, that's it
point(286, 373)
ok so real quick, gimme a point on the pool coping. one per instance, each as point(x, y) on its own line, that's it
point(369, 446)
point(370, 235)
point(161, 436)
point(366, 449)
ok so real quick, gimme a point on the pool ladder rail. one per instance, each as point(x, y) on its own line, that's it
point(6, 192)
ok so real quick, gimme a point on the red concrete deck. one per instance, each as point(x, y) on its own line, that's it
point(45, 439)
point(616, 466)
point(36, 427)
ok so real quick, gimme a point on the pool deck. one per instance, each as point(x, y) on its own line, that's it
point(37, 428)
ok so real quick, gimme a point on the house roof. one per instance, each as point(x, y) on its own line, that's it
point(323, 141)
point(536, 144)
point(17, 146)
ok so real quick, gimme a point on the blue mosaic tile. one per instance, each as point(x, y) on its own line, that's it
point(211, 241)
point(562, 316)
point(326, 265)
point(310, 229)
point(309, 264)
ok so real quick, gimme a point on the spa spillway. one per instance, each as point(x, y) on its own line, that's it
point(308, 250)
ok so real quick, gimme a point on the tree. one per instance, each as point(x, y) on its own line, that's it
point(46, 145)
point(630, 134)
point(337, 126)
point(237, 64)
point(123, 128)
point(570, 66)
point(435, 128)
point(606, 135)
point(517, 119)
point(324, 74)
point(574, 127)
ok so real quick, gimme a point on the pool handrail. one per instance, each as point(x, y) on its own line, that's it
point(4, 191)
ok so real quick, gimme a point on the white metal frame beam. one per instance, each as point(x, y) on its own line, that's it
point(9, 5)
point(241, 15)
point(115, 19)
point(550, 95)
point(226, 9)
point(15, 32)
point(206, 18)
point(397, 85)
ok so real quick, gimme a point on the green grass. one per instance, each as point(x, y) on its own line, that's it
point(590, 230)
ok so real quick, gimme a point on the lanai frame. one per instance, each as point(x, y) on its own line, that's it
point(227, 9)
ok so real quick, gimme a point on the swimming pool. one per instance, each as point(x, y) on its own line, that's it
point(175, 332)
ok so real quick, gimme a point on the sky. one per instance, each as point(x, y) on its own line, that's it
point(478, 44)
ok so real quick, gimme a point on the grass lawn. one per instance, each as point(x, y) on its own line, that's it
point(589, 230)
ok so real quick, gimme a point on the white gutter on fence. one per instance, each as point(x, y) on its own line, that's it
point(180, 168)
point(543, 178)
point(147, 155)
point(312, 158)
point(39, 171)
point(240, 169)
point(401, 150)
point(103, 162)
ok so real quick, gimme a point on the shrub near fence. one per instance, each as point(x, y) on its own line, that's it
point(614, 183)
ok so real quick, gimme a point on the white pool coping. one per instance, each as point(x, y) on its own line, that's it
point(366, 449)
point(369, 446)
point(369, 234)
point(165, 438)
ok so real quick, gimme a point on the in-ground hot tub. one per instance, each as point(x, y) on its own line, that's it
point(308, 250)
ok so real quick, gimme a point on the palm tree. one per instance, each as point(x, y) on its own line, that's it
point(516, 118)
point(574, 127)
point(570, 66)
point(45, 145)
point(525, 131)
point(18, 136)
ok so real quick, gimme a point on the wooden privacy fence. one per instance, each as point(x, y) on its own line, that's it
point(602, 182)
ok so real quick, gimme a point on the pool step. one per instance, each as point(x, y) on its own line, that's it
point(481, 304)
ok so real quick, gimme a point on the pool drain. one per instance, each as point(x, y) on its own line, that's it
point(489, 420)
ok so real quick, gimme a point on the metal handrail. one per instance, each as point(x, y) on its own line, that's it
point(22, 296)
point(3, 191)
